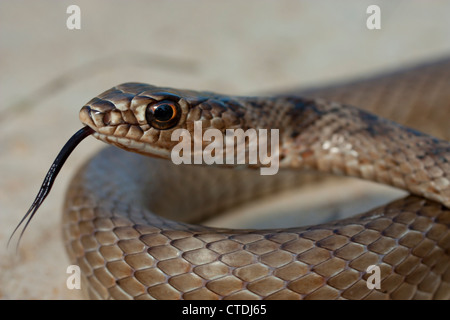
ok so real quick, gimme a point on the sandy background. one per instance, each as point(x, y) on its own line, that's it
point(48, 72)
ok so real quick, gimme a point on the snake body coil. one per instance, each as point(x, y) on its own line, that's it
point(130, 222)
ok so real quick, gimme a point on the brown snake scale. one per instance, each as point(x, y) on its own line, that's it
point(130, 222)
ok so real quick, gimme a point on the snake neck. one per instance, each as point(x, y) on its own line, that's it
point(343, 140)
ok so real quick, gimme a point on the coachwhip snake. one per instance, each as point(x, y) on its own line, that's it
point(130, 222)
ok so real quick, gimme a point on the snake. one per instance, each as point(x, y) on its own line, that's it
point(132, 221)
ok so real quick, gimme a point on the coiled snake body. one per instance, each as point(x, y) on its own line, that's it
point(130, 222)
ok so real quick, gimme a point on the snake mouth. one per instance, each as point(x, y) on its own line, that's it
point(133, 145)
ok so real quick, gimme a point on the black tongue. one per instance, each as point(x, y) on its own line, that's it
point(51, 177)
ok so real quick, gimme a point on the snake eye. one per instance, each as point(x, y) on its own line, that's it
point(163, 115)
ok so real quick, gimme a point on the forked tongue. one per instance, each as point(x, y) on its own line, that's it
point(51, 177)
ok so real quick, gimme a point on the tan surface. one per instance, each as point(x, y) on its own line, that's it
point(231, 47)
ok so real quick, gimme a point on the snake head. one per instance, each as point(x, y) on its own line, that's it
point(141, 118)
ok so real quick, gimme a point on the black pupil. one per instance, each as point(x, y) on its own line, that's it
point(163, 112)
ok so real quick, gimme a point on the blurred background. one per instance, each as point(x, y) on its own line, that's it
point(239, 47)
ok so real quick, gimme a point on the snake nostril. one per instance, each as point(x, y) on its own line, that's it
point(86, 115)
